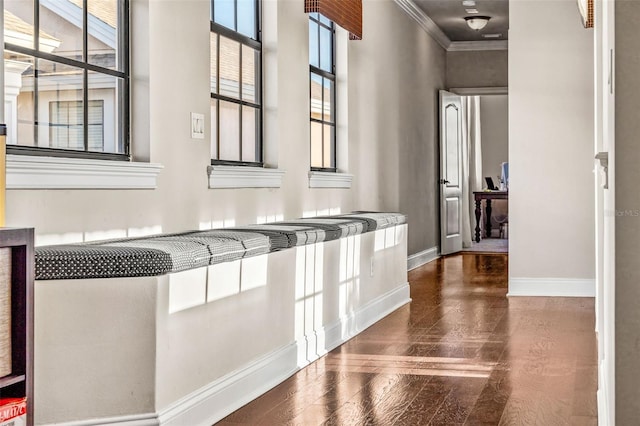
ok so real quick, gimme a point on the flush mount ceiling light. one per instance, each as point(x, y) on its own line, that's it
point(468, 3)
point(472, 11)
point(477, 22)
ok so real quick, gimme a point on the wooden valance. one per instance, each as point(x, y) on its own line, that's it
point(346, 13)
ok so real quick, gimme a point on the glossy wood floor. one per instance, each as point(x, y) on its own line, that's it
point(460, 353)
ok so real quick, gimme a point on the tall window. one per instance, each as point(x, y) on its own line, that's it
point(236, 74)
point(67, 77)
point(323, 92)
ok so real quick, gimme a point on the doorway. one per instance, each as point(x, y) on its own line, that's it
point(484, 171)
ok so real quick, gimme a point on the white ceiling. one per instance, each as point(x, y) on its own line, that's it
point(449, 16)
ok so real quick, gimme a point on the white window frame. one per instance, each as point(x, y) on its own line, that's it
point(341, 179)
point(45, 172)
point(230, 176)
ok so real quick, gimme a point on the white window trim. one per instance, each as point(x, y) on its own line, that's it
point(330, 180)
point(35, 172)
point(244, 177)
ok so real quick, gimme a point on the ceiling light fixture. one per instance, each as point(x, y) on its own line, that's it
point(497, 35)
point(468, 3)
point(477, 22)
point(472, 11)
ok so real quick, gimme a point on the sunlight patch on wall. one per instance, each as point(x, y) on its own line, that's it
point(318, 296)
point(194, 287)
point(387, 238)
point(299, 306)
point(105, 235)
point(309, 277)
point(82, 237)
point(269, 218)
point(65, 238)
point(216, 224)
point(321, 212)
point(144, 231)
point(187, 289)
point(253, 272)
point(223, 280)
point(309, 307)
point(349, 276)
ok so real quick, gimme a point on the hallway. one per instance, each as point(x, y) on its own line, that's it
point(460, 353)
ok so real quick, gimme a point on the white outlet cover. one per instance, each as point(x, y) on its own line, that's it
point(197, 125)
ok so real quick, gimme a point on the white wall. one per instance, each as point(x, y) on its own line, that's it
point(392, 130)
point(551, 135)
point(482, 68)
point(394, 103)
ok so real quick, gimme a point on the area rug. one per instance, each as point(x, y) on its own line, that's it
point(489, 245)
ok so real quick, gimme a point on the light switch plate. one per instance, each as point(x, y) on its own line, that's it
point(197, 126)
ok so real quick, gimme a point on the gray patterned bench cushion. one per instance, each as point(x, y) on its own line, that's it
point(166, 253)
point(284, 236)
point(146, 256)
point(333, 228)
point(72, 261)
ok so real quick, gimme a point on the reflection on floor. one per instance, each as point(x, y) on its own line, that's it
point(461, 353)
point(489, 245)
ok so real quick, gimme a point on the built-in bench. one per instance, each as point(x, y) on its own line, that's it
point(162, 254)
point(185, 328)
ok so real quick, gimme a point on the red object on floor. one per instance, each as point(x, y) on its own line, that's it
point(13, 411)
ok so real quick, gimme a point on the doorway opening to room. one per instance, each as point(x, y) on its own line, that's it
point(474, 169)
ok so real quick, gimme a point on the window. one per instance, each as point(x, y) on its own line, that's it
point(67, 85)
point(236, 74)
point(66, 130)
point(323, 92)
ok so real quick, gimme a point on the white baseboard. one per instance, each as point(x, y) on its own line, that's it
point(222, 397)
point(422, 258)
point(149, 419)
point(554, 287)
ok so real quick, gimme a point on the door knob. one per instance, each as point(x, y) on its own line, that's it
point(444, 181)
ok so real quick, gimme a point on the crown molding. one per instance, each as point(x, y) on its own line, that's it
point(439, 36)
point(425, 22)
point(463, 46)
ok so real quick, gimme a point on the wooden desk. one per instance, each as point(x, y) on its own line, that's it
point(487, 196)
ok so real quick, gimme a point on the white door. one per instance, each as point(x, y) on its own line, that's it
point(450, 172)
point(605, 206)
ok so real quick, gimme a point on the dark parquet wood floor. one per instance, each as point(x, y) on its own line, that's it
point(461, 353)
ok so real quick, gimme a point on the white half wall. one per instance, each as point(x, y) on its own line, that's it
point(551, 133)
point(191, 347)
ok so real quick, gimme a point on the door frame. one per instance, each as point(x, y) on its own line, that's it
point(474, 91)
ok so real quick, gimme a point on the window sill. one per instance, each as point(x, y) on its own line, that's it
point(33, 172)
point(244, 177)
point(330, 180)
